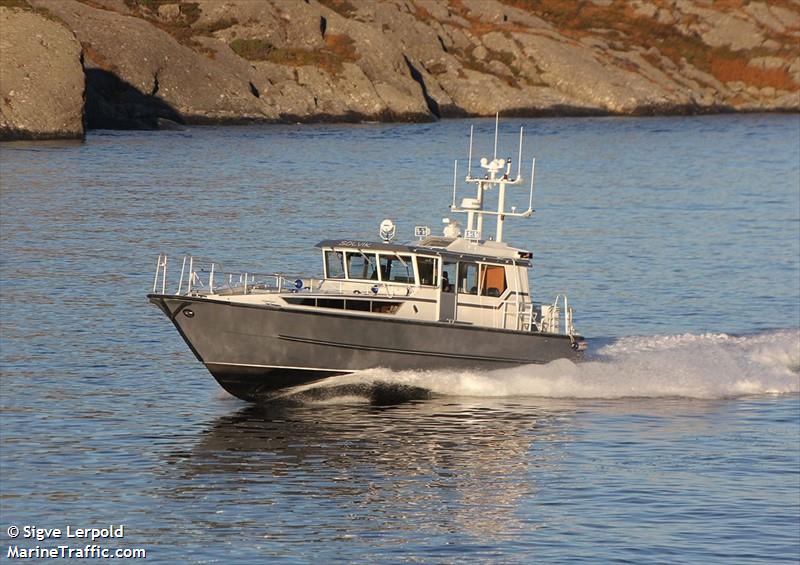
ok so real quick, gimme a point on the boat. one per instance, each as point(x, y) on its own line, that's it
point(459, 300)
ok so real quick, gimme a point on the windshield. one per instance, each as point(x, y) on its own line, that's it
point(361, 266)
point(334, 264)
point(397, 268)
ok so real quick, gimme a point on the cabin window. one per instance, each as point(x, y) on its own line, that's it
point(361, 266)
point(330, 303)
point(334, 265)
point(428, 271)
point(493, 280)
point(385, 307)
point(397, 268)
point(449, 276)
point(359, 305)
point(468, 278)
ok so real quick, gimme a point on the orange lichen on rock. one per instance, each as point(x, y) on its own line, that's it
point(623, 25)
point(730, 70)
point(339, 48)
point(342, 46)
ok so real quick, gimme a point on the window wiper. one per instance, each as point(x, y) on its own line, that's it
point(367, 258)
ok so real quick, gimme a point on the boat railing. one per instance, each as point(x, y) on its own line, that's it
point(550, 317)
point(199, 276)
point(516, 314)
point(380, 288)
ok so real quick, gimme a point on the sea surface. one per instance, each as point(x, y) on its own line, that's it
point(678, 441)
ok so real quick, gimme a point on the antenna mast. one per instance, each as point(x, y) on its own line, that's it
point(497, 175)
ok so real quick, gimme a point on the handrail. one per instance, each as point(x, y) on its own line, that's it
point(522, 314)
point(183, 268)
point(161, 269)
point(551, 317)
point(200, 276)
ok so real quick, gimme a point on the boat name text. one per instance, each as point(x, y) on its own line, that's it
point(350, 243)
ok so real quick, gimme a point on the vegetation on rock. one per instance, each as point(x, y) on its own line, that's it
point(198, 60)
point(339, 49)
point(619, 23)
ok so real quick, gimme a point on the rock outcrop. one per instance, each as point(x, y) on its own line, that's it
point(41, 78)
point(155, 62)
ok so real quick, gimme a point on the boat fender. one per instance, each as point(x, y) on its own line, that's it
point(298, 284)
point(375, 289)
point(356, 292)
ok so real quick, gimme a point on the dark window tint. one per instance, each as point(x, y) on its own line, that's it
point(428, 267)
point(449, 278)
point(362, 305)
point(330, 303)
point(397, 268)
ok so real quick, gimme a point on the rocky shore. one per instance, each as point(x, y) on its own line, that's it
point(66, 65)
point(41, 78)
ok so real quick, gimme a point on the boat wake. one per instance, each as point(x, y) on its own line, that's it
point(706, 366)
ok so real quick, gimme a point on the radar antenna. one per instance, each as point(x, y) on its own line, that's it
point(387, 230)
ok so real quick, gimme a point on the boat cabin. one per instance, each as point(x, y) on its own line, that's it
point(441, 279)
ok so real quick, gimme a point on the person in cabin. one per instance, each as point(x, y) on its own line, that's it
point(446, 287)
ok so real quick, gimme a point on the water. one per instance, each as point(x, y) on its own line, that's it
point(677, 239)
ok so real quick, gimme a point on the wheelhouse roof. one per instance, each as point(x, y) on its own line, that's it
point(456, 248)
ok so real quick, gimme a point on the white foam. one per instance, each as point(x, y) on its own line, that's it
point(691, 366)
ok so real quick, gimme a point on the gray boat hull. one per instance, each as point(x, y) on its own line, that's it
point(255, 351)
